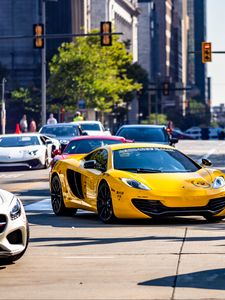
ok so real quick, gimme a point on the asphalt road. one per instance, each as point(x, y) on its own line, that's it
point(81, 258)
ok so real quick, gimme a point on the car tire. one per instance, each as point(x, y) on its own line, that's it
point(213, 219)
point(105, 204)
point(57, 200)
point(17, 256)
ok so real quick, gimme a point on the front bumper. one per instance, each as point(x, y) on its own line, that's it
point(29, 164)
point(154, 208)
point(14, 235)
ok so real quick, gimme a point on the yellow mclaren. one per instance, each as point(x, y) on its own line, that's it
point(137, 180)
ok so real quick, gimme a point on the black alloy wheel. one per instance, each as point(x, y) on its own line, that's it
point(104, 204)
point(57, 201)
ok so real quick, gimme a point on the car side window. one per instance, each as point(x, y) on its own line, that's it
point(101, 157)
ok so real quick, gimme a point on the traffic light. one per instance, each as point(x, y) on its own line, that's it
point(166, 88)
point(206, 52)
point(38, 31)
point(106, 30)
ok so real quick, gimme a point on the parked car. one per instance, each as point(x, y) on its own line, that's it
point(137, 180)
point(93, 127)
point(180, 135)
point(204, 133)
point(85, 144)
point(26, 150)
point(147, 133)
point(14, 228)
point(64, 132)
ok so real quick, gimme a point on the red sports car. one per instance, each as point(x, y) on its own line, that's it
point(85, 144)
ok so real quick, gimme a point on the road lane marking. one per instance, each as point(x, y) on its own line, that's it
point(208, 154)
point(11, 175)
point(89, 257)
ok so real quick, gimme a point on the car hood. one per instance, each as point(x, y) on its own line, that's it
point(176, 183)
point(94, 132)
point(17, 152)
point(5, 198)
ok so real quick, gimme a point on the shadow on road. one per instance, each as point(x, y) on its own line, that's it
point(208, 279)
point(90, 219)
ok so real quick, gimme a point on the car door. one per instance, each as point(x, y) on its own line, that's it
point(93, 176)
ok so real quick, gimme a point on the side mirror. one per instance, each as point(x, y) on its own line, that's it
point(173, 140)
point(90, 164)
point(206, 162)
point(84, 133)
point(56, 152)
point(48, 142)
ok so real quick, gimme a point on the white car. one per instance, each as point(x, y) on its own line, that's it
point(93, 127)
point(14, 228)
point(26, 150)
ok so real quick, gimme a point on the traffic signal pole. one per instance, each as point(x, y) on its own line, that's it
point(43, 70)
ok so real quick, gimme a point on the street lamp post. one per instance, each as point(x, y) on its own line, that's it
point(3, 112)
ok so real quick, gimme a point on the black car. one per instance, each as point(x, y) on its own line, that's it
point(63, 132)
point(147, 133)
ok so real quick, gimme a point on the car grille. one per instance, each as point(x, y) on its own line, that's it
point(3, 223)
point(156, 208)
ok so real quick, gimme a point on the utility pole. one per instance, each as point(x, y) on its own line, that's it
point(43, 69)
point(3, 112)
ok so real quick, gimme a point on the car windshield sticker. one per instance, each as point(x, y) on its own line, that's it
point(127, 152)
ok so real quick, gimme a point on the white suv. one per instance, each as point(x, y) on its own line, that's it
point(93, 127)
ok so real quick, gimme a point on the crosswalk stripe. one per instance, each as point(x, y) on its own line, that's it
point(43, 205)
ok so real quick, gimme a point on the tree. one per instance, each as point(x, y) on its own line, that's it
point(197, 114)
point(22, 101)
point(85, 70)
point(160, 118)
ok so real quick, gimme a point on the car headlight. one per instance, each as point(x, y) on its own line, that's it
point(135, 184)
point(15, 208)
point(64, 142)
point(31, 152)
point(218, 182)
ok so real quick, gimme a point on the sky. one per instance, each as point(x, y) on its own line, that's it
point(216, 35)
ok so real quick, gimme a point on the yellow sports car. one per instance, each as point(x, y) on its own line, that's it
point(137, 180)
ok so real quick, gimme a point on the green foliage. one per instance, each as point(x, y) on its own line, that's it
point(159, 119)
point(85, 70)
point(197, 114)
point(26, 101)
point(196, 107)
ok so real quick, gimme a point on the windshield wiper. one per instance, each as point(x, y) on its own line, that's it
point(142, 170)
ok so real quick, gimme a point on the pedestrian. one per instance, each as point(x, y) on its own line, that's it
point(170, 127)
point(51, 119)
point(23, 124)
point(33, 126)
point(78, 117)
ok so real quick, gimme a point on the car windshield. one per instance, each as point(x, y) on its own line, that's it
point(142, 134)
point(60, 131)
point(19, 141)
point(90, 126)
point(85, 146)
point(153, 160)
